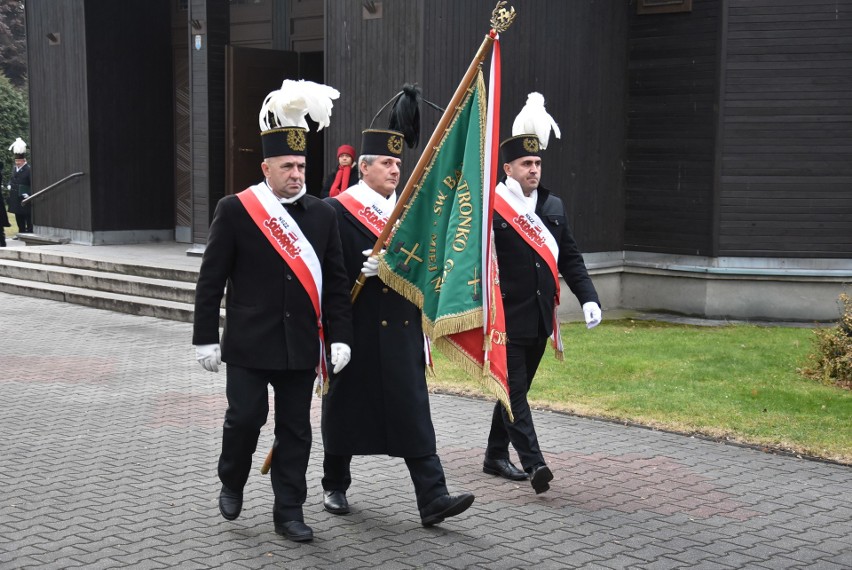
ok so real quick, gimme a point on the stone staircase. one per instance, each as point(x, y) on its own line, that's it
point(130, 287)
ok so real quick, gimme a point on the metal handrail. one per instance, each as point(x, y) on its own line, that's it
point(54, 185)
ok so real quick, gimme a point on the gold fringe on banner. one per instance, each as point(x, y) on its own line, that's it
point(434, 329)
point(457, 323)
point(456, 355)
point(399, 284)
point(560, 356)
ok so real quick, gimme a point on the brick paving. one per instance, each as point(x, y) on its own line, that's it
point(110, 437)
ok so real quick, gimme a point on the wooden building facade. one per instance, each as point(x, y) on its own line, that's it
point(706, 144)
point(739, 130)
point(101, 104)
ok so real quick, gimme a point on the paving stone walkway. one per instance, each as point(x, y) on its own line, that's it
point(110, 437)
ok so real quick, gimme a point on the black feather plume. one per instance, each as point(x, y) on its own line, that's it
point(405, 114)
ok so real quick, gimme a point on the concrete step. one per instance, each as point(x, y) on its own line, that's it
point(123, 267)
point(127, 286)
point(39, 239)
point(106, 281)
point(131, 304)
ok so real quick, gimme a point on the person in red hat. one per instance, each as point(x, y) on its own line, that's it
point(343, 176)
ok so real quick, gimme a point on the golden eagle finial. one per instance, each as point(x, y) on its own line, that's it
point(501, 18)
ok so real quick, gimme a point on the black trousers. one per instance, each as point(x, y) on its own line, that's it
point(248, 407)
point(25, 223)
point(522, 361)
point(426, 472)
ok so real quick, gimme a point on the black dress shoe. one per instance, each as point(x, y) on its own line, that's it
point(230, 503)
point(503, 468)
point(297, 531)
point(540, 477)
point(443, 507)
point(335, 502)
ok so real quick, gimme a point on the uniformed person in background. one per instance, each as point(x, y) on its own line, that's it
point(19, 188)
point(4, 217)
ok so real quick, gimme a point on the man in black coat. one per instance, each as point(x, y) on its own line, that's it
point(4, 217)
point(534, 244)
point(19, 188)
point(380, 403)
point(278, 250)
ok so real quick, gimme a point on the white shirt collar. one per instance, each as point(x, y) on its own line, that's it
point(367, 195)
point(301, 193)
point(515, 188)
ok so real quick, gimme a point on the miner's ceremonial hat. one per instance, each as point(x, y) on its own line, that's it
point(19, 148)
point(518, 146)
point(403, 126)
point(283, 127)
point(530, 130)
point(382, 142)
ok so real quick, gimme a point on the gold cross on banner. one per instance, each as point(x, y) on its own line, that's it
point(404, 265)
point(411, 254)
point(475, 281)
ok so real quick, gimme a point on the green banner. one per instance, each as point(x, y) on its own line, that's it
point(434, 257)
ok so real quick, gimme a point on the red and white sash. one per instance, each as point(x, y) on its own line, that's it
point(368, 206)
point(288, 240)
point(533, 231)
point(372, 210)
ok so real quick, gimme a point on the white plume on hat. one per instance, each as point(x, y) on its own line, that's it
point(295, 99)
point(19, 146)
point(535, 120)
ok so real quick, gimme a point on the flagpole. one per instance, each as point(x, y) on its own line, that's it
point(501, 19)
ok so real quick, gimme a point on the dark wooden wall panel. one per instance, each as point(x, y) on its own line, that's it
point(129, 81)
point(787, 139)
point(671, 130)
point(251, 25)
point(219, 26)
point(574, 53)
point(306, 25)
point(368, 60)
point(59, 143)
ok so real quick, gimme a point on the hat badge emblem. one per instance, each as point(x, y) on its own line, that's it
point(530, 144)
point(296, 140)
point(395, 144)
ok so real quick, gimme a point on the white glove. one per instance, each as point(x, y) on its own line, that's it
point(25, 195)
point(340, 355)
point(371, 265)
point(209, 356)
point(592, 312)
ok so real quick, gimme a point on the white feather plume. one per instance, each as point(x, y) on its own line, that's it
point(19, 146)
point(288, 106)
point(535, 120)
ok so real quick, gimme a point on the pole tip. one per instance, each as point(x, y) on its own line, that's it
point(501, 18)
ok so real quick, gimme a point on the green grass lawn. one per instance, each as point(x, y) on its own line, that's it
point(736, 382)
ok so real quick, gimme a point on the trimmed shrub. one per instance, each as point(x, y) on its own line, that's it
point(831, 360)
